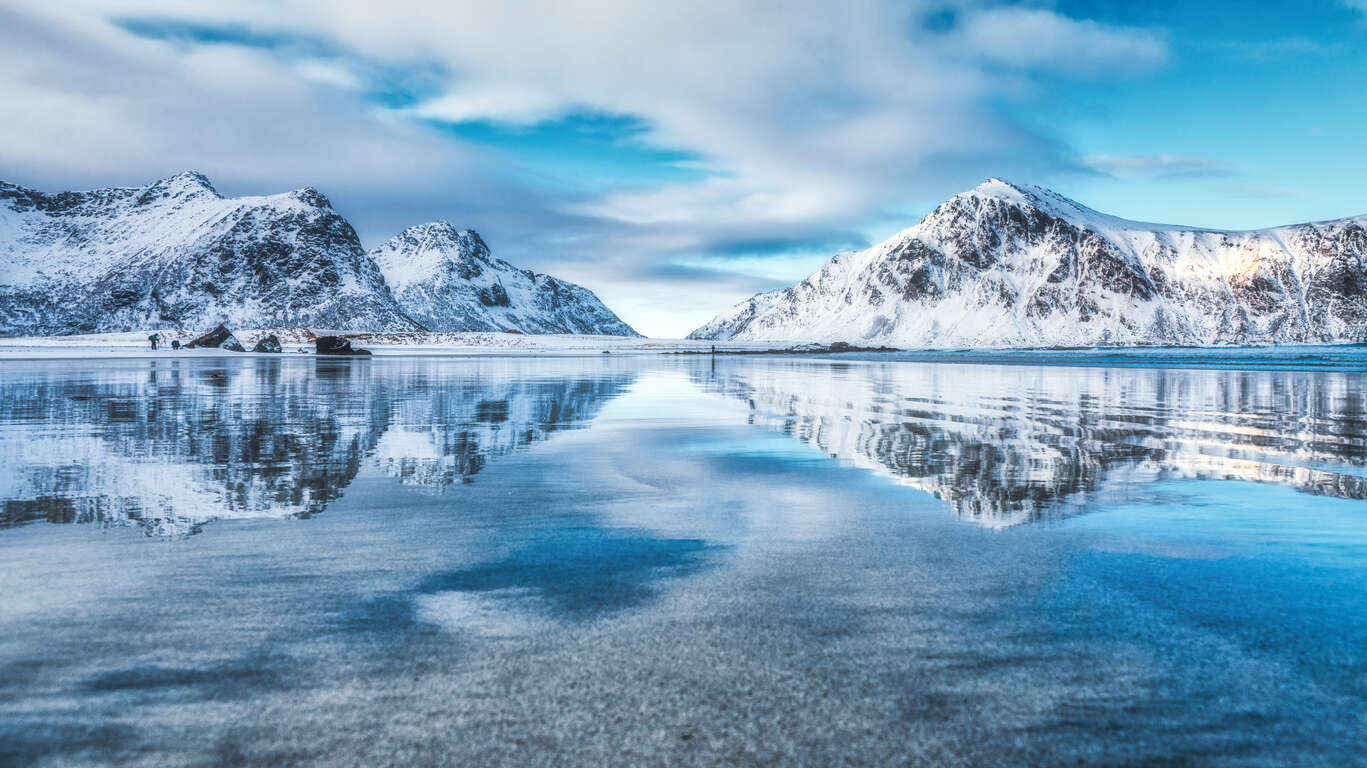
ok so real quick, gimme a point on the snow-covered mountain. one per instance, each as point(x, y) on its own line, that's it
point(178, 254)
point(1018, 265)
point(446, 279)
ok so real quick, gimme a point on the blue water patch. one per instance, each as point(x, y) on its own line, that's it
point(1229, 588)
point(1211, 519)
point(564, 574)
point(580, 573)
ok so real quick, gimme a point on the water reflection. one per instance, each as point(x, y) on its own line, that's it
point(443, 432)
point(169, 445)
point(1005, 445)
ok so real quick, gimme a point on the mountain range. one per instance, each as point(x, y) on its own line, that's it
point(177, 253)
point(1011, 265)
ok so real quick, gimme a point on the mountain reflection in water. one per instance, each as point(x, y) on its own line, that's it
point(169, 445)
point(1005, 445)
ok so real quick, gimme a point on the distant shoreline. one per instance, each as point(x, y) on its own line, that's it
point(134, 345)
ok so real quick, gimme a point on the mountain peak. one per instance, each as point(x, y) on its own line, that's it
point(997, 186)
point(446, 279)
point(1000, 189)
point(1041, 199)
point(441, 229)
point(311, 197)
point(425, 249)
point(440, 235)
point(182, 185)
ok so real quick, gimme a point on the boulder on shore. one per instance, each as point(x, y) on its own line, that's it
point(218, 338)
point(271, 343)
point(336, 345)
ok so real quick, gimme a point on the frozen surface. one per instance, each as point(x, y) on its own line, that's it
point(644, 559)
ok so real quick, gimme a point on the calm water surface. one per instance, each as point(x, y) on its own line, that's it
point(681, 560)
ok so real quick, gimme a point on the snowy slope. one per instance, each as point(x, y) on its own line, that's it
point(1009, 265)
point(176, 253)
point(447, 280)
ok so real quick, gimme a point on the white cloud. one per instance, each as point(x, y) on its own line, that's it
point(84, 103)
point(814, 115)
point(1041, 39)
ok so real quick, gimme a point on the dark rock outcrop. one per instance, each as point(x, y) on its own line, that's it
point(336, 345)
point(218, 338)
point(270, 343)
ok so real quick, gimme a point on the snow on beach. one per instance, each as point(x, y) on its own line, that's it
point(296, 340)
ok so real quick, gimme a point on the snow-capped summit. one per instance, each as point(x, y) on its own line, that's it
point(425, 250)
point(183, 185)
point(177, 253)
point(1018, 265)
point(447, 280)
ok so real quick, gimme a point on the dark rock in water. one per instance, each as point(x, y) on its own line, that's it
point(269, 344)
point(336, 345)
point(219, 338)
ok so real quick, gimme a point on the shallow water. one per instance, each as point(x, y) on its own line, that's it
point(684, 560)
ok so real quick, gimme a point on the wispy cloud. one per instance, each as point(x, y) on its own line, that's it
point(1033, 38)
point(1165, 167)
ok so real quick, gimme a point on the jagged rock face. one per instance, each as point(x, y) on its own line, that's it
point(177, 253)
point(447, 280)
point(1006, 265)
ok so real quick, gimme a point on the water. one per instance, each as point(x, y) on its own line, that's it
point(681, 560)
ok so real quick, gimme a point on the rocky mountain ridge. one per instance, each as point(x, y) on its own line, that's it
point(176, 253)
point(446, 279)
point(1017, 266)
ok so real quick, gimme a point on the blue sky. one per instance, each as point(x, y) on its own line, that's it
point(677, 156)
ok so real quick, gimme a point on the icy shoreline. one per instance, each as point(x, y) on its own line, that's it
point(296, 340)
point(134, 344)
